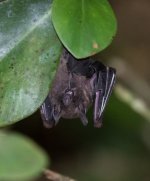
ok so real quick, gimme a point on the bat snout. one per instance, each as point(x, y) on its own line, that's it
point(67, 97)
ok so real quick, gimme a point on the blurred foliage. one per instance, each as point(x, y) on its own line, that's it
point(20, 158)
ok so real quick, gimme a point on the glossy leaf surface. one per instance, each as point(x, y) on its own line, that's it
point(85, 27)
point(29, 53)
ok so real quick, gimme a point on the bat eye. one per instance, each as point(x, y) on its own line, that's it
point(67, 97)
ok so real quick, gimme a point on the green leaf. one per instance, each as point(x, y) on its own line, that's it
point(85, 27)
point(20, 158)
point(29, 54)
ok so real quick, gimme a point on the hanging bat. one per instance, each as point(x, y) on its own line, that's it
point(77, 85)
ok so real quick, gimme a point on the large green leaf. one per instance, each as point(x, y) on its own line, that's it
point(84, 26)
point(20, 158)
point(29, 53)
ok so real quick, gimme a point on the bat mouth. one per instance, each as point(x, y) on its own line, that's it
point(68, 97)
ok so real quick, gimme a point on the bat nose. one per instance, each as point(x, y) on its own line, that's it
point(67, 97)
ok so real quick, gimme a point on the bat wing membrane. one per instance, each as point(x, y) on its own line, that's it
point(46, 110)
point(103, 84)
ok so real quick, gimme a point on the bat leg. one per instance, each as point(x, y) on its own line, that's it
point(49, 114)
point(82, 114)
point(103, 85)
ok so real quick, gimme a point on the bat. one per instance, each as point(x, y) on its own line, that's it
point(77, 85)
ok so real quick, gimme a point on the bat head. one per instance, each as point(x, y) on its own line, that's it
point(68, 97)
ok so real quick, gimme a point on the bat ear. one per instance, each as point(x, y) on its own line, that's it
point(50, 114)
point(82, 114)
